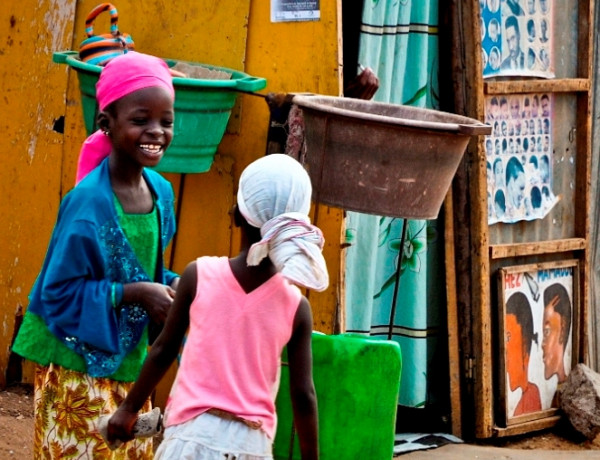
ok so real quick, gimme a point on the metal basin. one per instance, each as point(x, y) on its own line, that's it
point(382, 159)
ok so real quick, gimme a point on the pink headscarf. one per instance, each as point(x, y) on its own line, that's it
point(122, 75)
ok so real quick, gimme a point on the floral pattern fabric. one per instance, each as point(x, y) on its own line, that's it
point(68, 405)
point(399, 41)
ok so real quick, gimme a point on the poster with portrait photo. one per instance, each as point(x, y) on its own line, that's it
point(538, 329)
point(516, 38)
point(519, 157)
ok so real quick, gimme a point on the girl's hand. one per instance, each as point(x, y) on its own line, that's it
point(363, 86)
point(120, 426)
point(157, 301)
point(155, 298)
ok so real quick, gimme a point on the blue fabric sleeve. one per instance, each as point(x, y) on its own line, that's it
point(169, 276)
point(75, 293)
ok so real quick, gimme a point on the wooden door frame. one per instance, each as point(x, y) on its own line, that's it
point(468, 251)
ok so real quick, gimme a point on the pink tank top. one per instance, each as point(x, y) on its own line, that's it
point(231, 358)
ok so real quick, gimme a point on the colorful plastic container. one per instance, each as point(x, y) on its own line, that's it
point(357, 380)
point(202, 110)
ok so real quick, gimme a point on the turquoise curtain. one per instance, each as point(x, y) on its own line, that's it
point(399, 41)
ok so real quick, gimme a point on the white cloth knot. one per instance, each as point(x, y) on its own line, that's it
point(295, 247)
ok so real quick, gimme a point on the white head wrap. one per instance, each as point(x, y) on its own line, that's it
point(274, 195)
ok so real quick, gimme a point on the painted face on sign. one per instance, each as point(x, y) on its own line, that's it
point(515, 362)
point(552, 346)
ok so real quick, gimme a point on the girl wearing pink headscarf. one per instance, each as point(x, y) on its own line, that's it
point(112, 86)
point(103, 287)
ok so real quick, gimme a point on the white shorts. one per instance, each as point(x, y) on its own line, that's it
point(208, 437)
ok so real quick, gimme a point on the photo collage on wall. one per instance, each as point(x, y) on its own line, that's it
point(519, 157)
point(516, 38)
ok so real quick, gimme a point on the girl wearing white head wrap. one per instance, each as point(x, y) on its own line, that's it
point(274, 195)
point(238, 314)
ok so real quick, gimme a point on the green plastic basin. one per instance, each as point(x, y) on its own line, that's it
point(202, 110)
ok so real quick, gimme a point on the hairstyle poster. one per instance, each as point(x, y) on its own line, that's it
point(537, 324)
point(516, 38)
point(519, 157)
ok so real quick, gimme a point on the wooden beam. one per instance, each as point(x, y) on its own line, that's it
point(452, 319)
point(559, 85)
point(501, 251)
point(527, 427)
point(583, 164)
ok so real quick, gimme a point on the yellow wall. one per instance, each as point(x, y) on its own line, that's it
point(38, 164)
point(32, 91)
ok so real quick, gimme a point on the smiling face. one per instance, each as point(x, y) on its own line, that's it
point(141, 126)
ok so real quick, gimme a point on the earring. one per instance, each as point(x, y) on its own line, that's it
point(106, 133)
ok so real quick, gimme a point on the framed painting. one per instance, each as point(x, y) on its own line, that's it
point(538, 337)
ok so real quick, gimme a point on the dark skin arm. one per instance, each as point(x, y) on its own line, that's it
point(302, 389)
point(364, 86)
point(161, 356)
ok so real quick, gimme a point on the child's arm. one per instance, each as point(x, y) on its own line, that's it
point(302, 389)
point(161, 355)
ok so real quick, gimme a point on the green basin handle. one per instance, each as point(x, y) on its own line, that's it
point(250, 83)
point(60, 57)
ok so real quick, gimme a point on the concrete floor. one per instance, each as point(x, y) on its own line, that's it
point(475, 452)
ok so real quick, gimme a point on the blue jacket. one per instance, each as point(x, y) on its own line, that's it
point(88, 253)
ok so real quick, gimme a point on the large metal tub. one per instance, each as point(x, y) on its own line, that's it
point(382, 159)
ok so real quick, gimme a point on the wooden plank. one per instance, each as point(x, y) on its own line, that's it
point(339, 325)
point(471, 243)
point(527, 427)
point(583, 170)
point(474, 279)
point(559, 85)
point(526, 418)
point(502, 389)
point(452, 319)
point(480, 269)
point(585, 43)
point(501, 251)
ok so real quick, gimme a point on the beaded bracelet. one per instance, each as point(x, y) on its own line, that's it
point(113, 295)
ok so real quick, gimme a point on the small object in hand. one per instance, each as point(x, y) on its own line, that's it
point(148, 424)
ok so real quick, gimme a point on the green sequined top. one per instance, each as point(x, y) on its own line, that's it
point(140, 230)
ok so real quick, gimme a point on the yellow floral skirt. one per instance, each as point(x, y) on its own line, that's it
point(68, 405)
